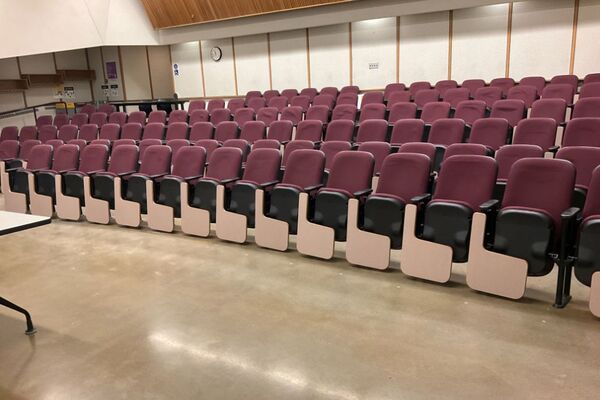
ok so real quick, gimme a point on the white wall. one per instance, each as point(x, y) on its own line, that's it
point(252, 63)
point(587, 54)
point(136, 75)
point(219, 75)
point(289, 59)
point(374, 41)
point(189, 81)
point(329, 55)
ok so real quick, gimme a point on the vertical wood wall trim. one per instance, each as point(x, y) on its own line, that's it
point(308, 58)
point(269, 59)
point(235, 82)
point(350, 51)
point(450, 30)
point(23, 92)
point(397, 49)
point(574, 36)
point(87, 63)
point(508, 40)
point(172, 75)
point(149, 73)
point(201, 69)
point(122, 75)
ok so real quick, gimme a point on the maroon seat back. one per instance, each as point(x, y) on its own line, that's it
point(241, 144)
point(559, 91)
point(119, 118)
point(472, 85)
point(301, 101)
point(227, 130)
point(281, 131)
point(309, 130)
point(465, 149)
point(98, 118)
point(400, 111)
point(379, 150)
point(28, 132)
point(251, 94)
point(591, 78)
point(540, 184)
point(404, 175)
point(445, 85)
point(9, 149)
point(326, 100)
point(268, 115)
point(145, 144)
point(47, 132)
point(236, 104)
point(132, 130)
point(178, 116)
point(427, 149)
point(66, 158)
point(331, 91)
point(159, 116)
point(393, 88)
point(347, 99)
point(43, 120)
point(434, 111)
point(156, 160)
point(202, 130)
point(372, 130)
point(9, 133)
point(253, 131)
point(538, 82)
point(407, 130)
point(40, 157)
point(154, 130)
point(470, 110)
point(511, 110)
point(372, 111)
point(490, 132)
point(447, 131)
point(94, 158)
point(295, 145)
point(423, 97)
point(291, 113)
point(590, 90)
point(269, 94)
point(68, 132)
point(107, 108)
point(219, 115)
point(506, 156)
point(538, 131)
point(266, 144)
point(371, 98)
point(585, 159)
point(398, 97)
point(455, 96)
point(177, 130)
point(210, 145)
point(122, 142)
point(342, 130)
point(571, 80)
point(123, 159)
point(196, 105)
point(189, 162)
point(549, 108)
point(350, 89)
point(110, 132)
point(331, 149)
point(467, 180)
point(80, 119)
point(137, 117)
point(263, 166)
point(588, 107)
point(528, 94)
point(278, 102)
point(582, 132)
point(505, 84)
point(26, 147)
point(351, 171)
point(176, 145)
point(344, 111)
point(304, 168)
point(256, 103)
point(60, 120)
point(88, 109)
point(311, 93)
point(318, 113)
point(79, 143)
point(215, 104)
point(418, 86)
point(289, 93)
point(489, 95)
point(54, 143)
point(199, 116)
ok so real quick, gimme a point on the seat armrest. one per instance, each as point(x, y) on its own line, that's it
point(189, 178)
point(227, 181)
point(93, 172)
point(569, 214)
point(64, 171)
point(124, 174)
point(312, 188)
point(268, 184)
point(553, 149)
point(362, 193)
point(284, 142)
point(156, 176)
point(421, 199)
point(489, 206)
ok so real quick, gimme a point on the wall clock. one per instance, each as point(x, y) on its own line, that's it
point(216, 53)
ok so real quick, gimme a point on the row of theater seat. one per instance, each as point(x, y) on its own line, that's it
point(508, 218)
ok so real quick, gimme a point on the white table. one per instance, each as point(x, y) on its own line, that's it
point(11, 222)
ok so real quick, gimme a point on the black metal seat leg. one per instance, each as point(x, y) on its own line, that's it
point(563, 285)
point(30, 328)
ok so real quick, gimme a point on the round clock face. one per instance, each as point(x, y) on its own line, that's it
point(216, 53)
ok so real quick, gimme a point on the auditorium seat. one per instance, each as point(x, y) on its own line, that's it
point(344, 111)
point(585, 159)
point(26, 147)
point(549, 108)
point(582, 132)
point(121, 142)
point(243, 115)
point(433, 111)
point(473, 85)
point(279, 102)
point(371, 130)
point(443, 133)
point(309, 130)
point(106, 108)
point(99, 118)
point(311, 93)
point(538, 131)
point(227, 130)
point(268, 115)
point(219, 115)
point(511, 110)
point(518, 239)
point(571, 80)
point(324, 100)
point(67, 132)
point(589, 90)
point(415, 87)
point(256, 103)
point(176, 145)
point(280, 131)
point(43, 120)
point(145, 144)
point(132, 130)
point(210, 145)
point(445, 85)
point(591, 78)
point(350, 98)
point(301, 101)
point(425, 96)
point(9, 150)
point(538, 82)
point(202, 130)
point(199, 116)
point(253, 131)
point(110, 132)
point(294, 145)
point(289, 93)
point(47, 132)
point(491, 132)
point(331, 150)
point(292, 114)
point(400, 111)
point(215, 104)
point(489, 95)
point(60, 119)
point(88, 109)
point(236, 104)
point(523, 92)
point(466, 149)
point(398, 97)
point(177, 130)
point(28, 132)
point(393, 88)
point(154, 130)
point(197, 105)
point(9, 133)
point(331, 91)
point(269, 94)
point(372, 111)
point(587, 107)
point(341, 130)
point(266, 144)
point(350, 89)
point(559, 91)
point(379, 150)
point(463, 184)
point(178, 116)
point(55, 143)
point(505, 84)
point(80, 119)
point(506, 156)
point(236, 204)
point(455, 96)
point(136, 117)
point(278, 216)
point(406, 131)
point(426, 149)
point(119, 118)
point(371, 98)
point(349, 177)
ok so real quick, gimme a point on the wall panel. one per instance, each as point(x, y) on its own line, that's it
point(111, 54)
point(252, 63)
point(374, 41)
point(479, 42)
point(219, 75)
point(329, 55)
point(38, 64)
point(11, 101)
point(541, 38)
point(587, 51)
point(424, 47)
point(136, 74)
point(161, 74)
point(288, 59)
point(188, 83)
point(95, 57)
point(75, 59)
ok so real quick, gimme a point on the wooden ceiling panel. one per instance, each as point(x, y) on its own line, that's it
point(170, 13)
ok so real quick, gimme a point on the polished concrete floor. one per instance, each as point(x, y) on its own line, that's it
point(135, 314)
